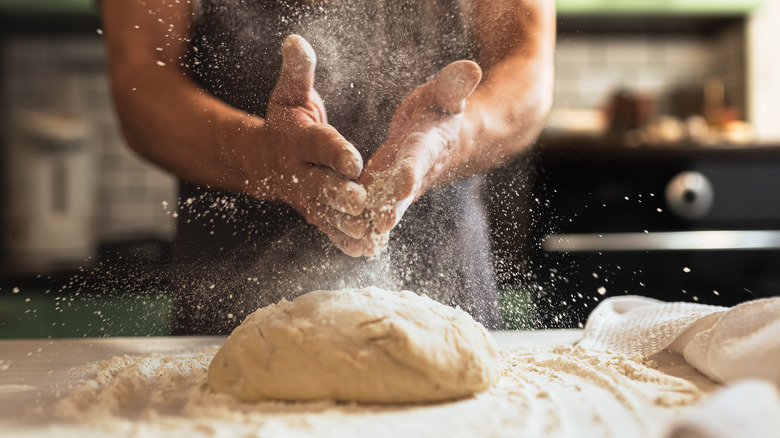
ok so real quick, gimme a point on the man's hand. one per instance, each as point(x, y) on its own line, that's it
point(423, 135)
point(308, 164)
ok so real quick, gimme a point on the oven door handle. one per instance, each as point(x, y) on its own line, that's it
point(663, 241)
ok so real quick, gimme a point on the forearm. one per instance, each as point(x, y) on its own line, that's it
point(500, 121)
point(173, 123)
point(165, 117)
point(507, 111)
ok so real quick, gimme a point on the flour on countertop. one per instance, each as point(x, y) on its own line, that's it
point(562, 391)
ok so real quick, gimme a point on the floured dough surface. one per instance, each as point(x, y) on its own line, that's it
point(364, 345)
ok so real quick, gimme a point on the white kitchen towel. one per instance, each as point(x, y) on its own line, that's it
point(726, 344)
point(748, 408)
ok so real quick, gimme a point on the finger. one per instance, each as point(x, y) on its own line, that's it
point(454, 84)
point(379, 163)
point(376, 244)
point(323, 145)
point(389, 214)
point(317, 215)
point(347, 245)
point(296, 77)
point(398, 188)
point(355, 227)
point(327, 188)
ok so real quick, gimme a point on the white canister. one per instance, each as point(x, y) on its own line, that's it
point(50, 193)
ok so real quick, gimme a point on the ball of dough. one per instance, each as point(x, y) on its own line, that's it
point(362, 345)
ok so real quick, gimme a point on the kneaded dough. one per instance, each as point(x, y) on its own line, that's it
point(363, 345)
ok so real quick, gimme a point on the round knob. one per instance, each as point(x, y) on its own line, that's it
point(690, 195)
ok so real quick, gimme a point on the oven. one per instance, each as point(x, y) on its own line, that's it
point(682, 222)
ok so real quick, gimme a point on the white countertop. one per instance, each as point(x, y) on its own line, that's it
point(35, 374)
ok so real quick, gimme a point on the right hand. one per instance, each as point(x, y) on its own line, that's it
point(422, 141)
point(310, 165)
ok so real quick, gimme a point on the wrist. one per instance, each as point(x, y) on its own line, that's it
point(246, 147)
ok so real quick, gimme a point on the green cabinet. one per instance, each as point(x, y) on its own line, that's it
point(86, 313)
point(657, 7)
point(49, 7)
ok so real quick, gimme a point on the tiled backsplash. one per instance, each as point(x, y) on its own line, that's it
point(763, 33)
point(589, 68)
point(68, 74)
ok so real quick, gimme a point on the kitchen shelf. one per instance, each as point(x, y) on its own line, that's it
point(657, 7)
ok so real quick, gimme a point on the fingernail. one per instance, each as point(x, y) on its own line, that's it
point(351, 164)
point(352, 201)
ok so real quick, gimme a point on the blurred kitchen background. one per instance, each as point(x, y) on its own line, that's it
point(665, 121)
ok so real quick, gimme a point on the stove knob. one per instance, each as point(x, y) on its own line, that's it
point(690, 195)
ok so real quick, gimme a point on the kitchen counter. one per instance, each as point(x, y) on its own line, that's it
point(37, 370)
point(35, 374)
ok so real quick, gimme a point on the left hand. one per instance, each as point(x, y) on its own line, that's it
point(424, 134)
point(319, 163)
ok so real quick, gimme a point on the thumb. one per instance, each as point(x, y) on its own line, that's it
point(454, 84)
point(296, 77)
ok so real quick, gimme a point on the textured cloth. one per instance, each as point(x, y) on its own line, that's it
point(749, 408)
point(234, 254)
point(725, 344)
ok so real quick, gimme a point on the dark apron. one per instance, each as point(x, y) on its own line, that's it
point(234, 254)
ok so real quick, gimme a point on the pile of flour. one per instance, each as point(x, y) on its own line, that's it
point(562, 391)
